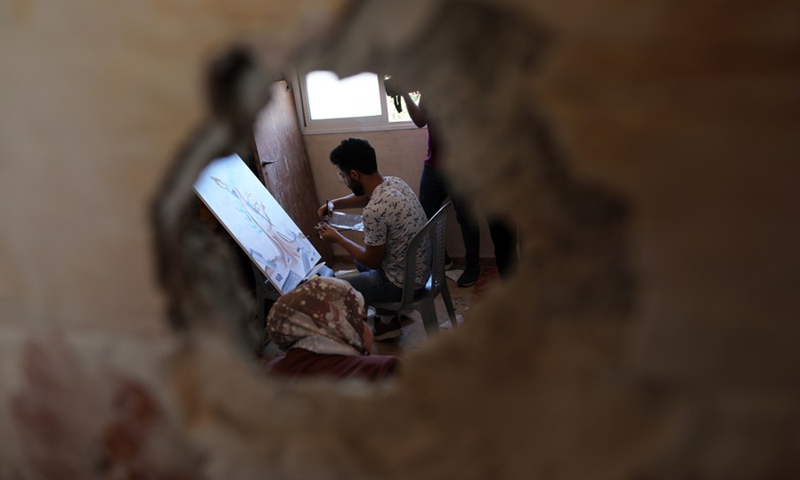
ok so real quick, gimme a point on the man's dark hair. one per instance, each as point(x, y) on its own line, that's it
point(355, 154)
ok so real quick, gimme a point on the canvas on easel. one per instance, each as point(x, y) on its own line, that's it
point(257, 222)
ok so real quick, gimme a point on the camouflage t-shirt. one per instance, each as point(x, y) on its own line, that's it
point(392, 217)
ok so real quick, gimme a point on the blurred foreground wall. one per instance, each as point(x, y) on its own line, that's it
point(647, 153)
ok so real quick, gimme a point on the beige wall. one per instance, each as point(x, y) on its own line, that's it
point(400, 153)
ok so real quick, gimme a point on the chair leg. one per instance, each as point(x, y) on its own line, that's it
point(429, 320)
point(448, 303)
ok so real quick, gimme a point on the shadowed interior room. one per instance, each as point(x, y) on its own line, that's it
point(642, 155)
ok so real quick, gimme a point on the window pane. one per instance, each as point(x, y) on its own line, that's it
point(394, 115)
point(356, 96)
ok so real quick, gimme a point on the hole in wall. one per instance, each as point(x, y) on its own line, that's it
point(475, 64)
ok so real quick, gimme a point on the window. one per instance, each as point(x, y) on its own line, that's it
point(328, 104)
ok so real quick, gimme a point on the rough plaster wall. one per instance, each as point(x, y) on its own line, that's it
point(645, 150)
point(95, 100)
point(690, 120)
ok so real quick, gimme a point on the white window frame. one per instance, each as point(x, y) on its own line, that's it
point(341, 125)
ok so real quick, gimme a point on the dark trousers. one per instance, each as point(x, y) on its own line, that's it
point(374, 286)
point(432, 190)
point(432, 193)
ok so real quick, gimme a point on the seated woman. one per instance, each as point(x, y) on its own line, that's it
point(320, 325)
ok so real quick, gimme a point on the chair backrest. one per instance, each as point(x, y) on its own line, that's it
point(433, 234)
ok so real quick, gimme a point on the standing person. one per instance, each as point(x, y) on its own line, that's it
point(433, 191)
point(392, 216)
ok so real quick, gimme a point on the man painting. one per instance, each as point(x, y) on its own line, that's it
point(392, 216)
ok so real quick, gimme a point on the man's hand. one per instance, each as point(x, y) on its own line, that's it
point(328, 233)
point(371, 256)
point(325, 211)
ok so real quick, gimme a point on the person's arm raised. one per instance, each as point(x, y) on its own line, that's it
point(416, 112)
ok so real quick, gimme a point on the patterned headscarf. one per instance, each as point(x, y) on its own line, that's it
point(324, 315)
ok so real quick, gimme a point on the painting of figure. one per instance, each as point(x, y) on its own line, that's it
point(257, 222)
